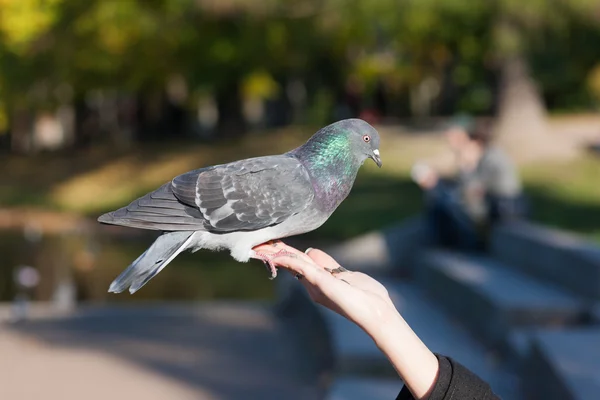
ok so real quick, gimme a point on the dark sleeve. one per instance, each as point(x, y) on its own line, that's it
point(455, 382)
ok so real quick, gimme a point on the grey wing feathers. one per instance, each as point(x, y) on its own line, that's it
point(184, 186)
point(244, 195)
point(247, 195)
point(164, 249)
point(159, 210)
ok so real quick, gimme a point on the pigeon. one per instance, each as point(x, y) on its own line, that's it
point(243, 204)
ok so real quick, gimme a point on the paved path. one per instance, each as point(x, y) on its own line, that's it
point(206, 351)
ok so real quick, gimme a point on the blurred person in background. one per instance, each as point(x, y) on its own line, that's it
point(486, 189)
point(26, 279)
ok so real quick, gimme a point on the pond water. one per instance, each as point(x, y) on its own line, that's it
point(84, 265)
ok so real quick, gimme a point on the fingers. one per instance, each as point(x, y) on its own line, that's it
point(296, 261)
point(323, 259)
point(312, 274)
point(322, 286)
point(299, 266)
point(277, 246)
point(328, 263)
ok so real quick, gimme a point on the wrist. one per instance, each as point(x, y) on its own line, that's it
point(415, 363)
point(387, 333)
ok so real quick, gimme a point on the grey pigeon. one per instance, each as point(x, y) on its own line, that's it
point(243, 204)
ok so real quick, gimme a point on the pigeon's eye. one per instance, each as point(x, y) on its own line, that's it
point(367, 138)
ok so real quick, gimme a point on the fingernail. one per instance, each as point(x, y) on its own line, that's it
point(308, 250)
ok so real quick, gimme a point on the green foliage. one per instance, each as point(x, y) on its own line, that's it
point(137, 45)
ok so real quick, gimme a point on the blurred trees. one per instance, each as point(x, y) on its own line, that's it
point(78, 71)
point(476, 56)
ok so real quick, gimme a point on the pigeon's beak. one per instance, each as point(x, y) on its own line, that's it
point(376, 157)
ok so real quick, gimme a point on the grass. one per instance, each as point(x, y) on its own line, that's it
point(102, 178)
point(566, 195)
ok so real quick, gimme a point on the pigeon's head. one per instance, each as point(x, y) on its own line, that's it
point(363, 138)
point(344, 145)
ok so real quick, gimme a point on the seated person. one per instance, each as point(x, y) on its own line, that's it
point(487, 190)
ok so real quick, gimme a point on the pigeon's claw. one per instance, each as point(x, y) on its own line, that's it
point(268, 260)
point(269, 268)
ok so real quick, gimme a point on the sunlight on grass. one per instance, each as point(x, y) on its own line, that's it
point(117, 183)
point(577, 181)
point(565, 195)
point(119, 180)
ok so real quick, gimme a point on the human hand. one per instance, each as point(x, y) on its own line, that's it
point(424, 176)
point(366, 302)
point(354, 295)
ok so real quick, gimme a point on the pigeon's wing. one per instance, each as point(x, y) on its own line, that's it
point(159, 210)
point(247, 195)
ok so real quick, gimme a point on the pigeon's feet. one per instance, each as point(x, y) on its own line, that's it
point(267, 258)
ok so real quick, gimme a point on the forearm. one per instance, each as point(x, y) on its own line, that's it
point(415, 363)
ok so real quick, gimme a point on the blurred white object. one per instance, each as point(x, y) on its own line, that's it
point(33, 232)
point(64, 297)
point(420, 171)
point(48, 132)
point(27, 277)
point(20, 307)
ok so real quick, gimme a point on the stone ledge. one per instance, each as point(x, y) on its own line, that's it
point(362, 388)
point(354, 353)
point(549, 254)
point(492, 299)
point(390, 250)
point(563, 365)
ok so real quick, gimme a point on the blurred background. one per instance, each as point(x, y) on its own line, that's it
point(102, 101)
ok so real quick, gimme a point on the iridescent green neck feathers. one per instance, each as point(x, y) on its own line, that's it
point(332, 164)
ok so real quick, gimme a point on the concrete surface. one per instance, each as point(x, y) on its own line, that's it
point(595, 313)
point(564, 365)
point(390, 250)
point(356, 354)
point(518, 345)
point(549, 254)
point(200, 351)
point(364, 388)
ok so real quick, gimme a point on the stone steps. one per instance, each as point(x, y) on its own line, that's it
point(563, 365)
point(492, 299)
point(364, 388)
point(355, 355)
point(549, 255)
point(533, 301)
point(389, 251)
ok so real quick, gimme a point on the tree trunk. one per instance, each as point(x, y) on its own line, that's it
point(521, 125)
point(21, 131)
point(231, 117)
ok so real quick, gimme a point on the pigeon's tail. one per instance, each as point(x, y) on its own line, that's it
point(152, 261)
